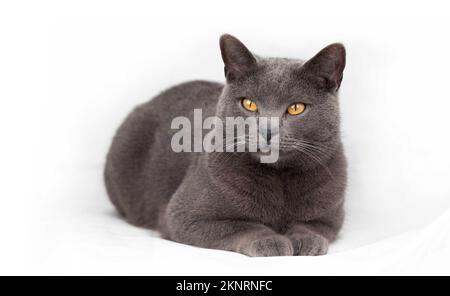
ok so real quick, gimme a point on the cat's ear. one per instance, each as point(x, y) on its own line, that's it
point(326, 69)
point(238, 60)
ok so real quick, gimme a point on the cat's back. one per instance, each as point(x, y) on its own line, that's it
point(142, 172)
point(182, 99)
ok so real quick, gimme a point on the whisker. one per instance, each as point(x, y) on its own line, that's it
point(314, 158)
point(327, 154)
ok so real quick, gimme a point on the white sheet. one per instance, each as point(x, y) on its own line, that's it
point(85, 236)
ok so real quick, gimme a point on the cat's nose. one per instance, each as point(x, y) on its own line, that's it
point(267, 134)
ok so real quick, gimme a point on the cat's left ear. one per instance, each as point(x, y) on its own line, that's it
point(326, 69)
point(238, 60)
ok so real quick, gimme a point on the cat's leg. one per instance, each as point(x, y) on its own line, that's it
point(313, 238)
point(250, 239)
point(309, 239)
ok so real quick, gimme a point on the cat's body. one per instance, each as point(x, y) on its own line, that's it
point(142, 171)
point(231, 201)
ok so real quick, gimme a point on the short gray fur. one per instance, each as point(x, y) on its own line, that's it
point(231, 201)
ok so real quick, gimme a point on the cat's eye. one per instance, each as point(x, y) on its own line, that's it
point(296, 109)
point(249, 105)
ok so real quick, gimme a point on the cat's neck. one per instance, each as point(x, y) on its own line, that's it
point(242, 163)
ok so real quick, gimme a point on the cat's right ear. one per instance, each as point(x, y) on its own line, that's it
point(326, 68)
point(238, 60)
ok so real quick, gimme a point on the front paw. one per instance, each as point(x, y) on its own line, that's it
point(275, 245)
point(309, 244)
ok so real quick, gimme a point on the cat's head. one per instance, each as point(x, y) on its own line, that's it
point(303, 95)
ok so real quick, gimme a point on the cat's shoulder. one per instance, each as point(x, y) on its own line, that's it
point(183, 98)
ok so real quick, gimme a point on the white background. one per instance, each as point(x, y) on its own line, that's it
point(70, 71)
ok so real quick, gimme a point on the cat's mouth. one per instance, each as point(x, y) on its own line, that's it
point(264, 153)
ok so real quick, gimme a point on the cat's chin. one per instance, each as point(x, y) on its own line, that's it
point(285, 159)
point(267, 158)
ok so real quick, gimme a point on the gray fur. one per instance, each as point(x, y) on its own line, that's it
point(231, 201)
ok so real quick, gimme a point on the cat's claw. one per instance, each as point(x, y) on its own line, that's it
point(276, 245)
point(309, 245)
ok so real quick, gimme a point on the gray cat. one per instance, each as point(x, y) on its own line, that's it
point(232, 201)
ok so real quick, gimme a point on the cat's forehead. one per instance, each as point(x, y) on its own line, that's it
point(279, 67)
point(278, 73)
point(276, 78)
point(276, 82)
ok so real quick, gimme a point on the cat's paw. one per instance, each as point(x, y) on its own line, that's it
point(275, 245)
point(310, 244)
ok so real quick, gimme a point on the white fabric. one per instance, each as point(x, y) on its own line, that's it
point(85, 236)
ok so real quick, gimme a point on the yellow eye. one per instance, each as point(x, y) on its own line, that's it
point(296, 109)
point(249, 105)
